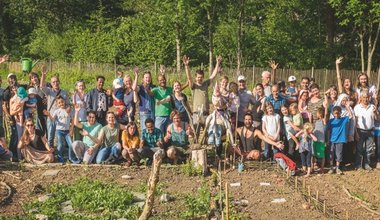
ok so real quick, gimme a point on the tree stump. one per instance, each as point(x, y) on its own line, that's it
point(199, 158)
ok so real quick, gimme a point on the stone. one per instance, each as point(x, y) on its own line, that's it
point(139, 196)
point(51, 173)
point(166, 197)
point(68, 209)
point(66, 203)
point(42, 217)
point(139, 204)
point(127, 177)
point(43, 198)
point(33, 211)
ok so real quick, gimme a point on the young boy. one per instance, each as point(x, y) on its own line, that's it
point(319, 132)
point(291, 90)
point(337, 128)
point(118, 97)
point(31, 104)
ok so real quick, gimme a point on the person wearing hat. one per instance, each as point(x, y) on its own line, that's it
point(246, 98)
point(31, 104)
point(291, 90)
point(118, 97)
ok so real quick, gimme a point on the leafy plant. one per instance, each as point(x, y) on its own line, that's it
point(190, 170)
point(199, 204)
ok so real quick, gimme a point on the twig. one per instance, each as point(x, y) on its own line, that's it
point(362, 203)
point(8, 194)
point(10, 174)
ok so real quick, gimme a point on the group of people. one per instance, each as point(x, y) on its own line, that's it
point(275, 120)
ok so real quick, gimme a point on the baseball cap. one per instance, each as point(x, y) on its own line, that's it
point(292, 78)
point(11, 75)
point(32, 91)
point(241, 78)
point(117, 84)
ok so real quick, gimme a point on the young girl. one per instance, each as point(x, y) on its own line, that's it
point(306, 146)
point(131, 141)
point(320, 144)
point(302, 106)
point(118, 96)
point(290, 130)
point(62, 120)
point(331, 95)
point(296, 116)
point(271, 129)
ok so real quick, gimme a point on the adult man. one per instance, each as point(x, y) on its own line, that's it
point(246, 98)
point(151, 141)
point(304, 85)
point(266, 77)
point(276, 99)
point(365, 114)
point(163, 107)
point(99, 100)
point(86, 150)
point(51, 95)
point(146, 103)
point(247, 133)
point(199, 88)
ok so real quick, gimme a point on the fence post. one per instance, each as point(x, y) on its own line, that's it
point(324, 85)
point(253, 74)
point(312, 72)
point(114, 66)
point(50, 65)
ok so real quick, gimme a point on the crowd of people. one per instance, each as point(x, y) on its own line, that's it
point(284, 121)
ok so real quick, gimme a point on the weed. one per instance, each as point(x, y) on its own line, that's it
point(189, 169)
point(199, 204)
point(143, 186)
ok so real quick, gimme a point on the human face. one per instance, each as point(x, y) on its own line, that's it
point(242, 85)
point(337, 114)
point(315, 92)
point(128, 82)
point(29, 126)
point(292, 83)
point(199, 78)
point(162, 81)
point(177, 87)
point(100, 83)
point(150, 127)
point(12, 81)
point(224, 84)
point(275, 91)
point(147, 79)
point(304, 84)
point(80, 86)
point(344, 102)
point(363, 81)
point(347, 84)
point(61, 103)
point(132, 130)
point(177, 119)
point(305, 96)
point(269, 109)
point(34, 80)
point(333, 93)
point(248, 121)
point(259, 91)
point(284, 111)
point(91, 118)
point(266, 79)
point(110, 119)
point(364, 99)
point(54, 83)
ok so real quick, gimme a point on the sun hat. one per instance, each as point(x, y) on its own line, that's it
point(21, 92)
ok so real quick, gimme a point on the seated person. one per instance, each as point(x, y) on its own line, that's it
point(151, 141)
point(177, 137)
point(131, 142)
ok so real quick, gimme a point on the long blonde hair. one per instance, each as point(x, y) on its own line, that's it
point(306, 127)
point(25, 138)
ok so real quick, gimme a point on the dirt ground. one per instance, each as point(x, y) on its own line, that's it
point(252, 199)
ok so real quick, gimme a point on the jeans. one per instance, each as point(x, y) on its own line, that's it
point(377, 138)
point(13, 139)
point(62, 138)
point(106, 152)
point(268, 151)
point(143, 117)
point(5, 155)
point(147, 152)
point(162, 122)
point(306, 158)
point(364, 148)
point(50, 131)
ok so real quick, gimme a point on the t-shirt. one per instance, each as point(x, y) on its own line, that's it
point(338, 128)
point(146, 101)
point(81, 102)
point(319, 131)
point(162, 110)
point(51, 96)
point(245, 98)
point(62, 119)
point(93, 130)
point(130, 141)
point(277, 103)
point(365, 116)
point(111, 135)
point(288, 129)
point(272, 123)
point(298, 120)
point(119, 93)
point(201, 94)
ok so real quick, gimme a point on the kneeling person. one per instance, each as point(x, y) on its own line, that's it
point(151, 140)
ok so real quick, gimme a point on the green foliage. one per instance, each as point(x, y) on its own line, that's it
point(199, 204)
point(190, 170)
point(143, 186)
point(99, 200)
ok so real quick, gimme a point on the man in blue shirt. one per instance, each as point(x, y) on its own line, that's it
point(276, 99)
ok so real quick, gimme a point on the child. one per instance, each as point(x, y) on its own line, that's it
point(320, 145)
point(302, 106)
point(290, 130)
point(118, 97)
point(62, 120)
point(271, 128)
point(31, 104)
point(337, 133)
point(297, 117)
point(292, 90)
point(306, 146)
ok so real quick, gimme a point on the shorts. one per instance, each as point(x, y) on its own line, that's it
point(319, 149)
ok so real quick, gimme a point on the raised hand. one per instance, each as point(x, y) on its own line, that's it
point(339, 60)
point(44, 70)
point(77, 107)
point(219, 59)
point(273, 64)
point(186, 60)
point(136, 70)
point(4, 58)
point(162, 69)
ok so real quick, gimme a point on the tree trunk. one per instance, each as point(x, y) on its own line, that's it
point(211, 41)
point(361, 36)
point(199, 158)
point(371, 49)
point(178, 47)
point(239, 37)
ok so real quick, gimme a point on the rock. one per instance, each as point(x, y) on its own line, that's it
point(33, 211)
point(139, 196)
point(139, 204)
point(51, 173)
point(68, 209)
point(41, 217)
point(66, 203)
point(166, 197)
point(43, 198)
point(127, 177)
point(306, 206)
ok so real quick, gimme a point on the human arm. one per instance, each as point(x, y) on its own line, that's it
point(50, 149)
point(43, 77)
point(217, 67)
point(4, 58)
point(338, 76)
point(47, 113)
point(93, 139)
point(186, 61)
point(295, 140)
point(350, 114)
point(274, 66)
point(134, 85)
point(168, 135)
point(313, 136)
point(76, 117)
point(268, 140)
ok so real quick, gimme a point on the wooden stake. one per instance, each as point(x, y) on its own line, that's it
point(333, 213)
point(296, 183)
point(303, 183)
point(309, 193)
point(227, 203)
point(347, 216)
point(317, 196)
point(324, 207)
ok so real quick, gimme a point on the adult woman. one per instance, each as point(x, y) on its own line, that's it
point(315, 102)
point(258, 106)
point(109, 137)
point(180, 102)
point(34, 82)
point(33, 146)
point(332, 95)
point(130, 100)
point(345, 85)
point(131, 141)
point(79, 99)
point(364, 86)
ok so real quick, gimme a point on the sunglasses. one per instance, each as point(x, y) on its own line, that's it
point(29, 125)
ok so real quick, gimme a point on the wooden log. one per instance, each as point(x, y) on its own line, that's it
point(227, 203)
point(199, 158)
point(296, 183)
point(309, 193)
point(152, 182)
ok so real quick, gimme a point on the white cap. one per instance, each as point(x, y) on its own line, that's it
point(32, 91)
point(292, 78)
point(10, 75)
point(117, 84)
point(241, 78)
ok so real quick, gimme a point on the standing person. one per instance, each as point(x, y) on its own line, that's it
point(258, 106)
point(271, 129)
point(79, 99)
point(62, 119)
point(17, 103)
point(99, 100)
point(337, 135)
point(146, 100)
point(199, 89)
point(345, 85)
point(130, 98)
point(292, 90)
point(33, 145)
point(181, 103)
point(363, 86)
point(276, 99)
point(290, 131)
point(34, 85)
point(365, 114)
point(332, 96)
point(163, 107)
point(51, 96)
point(320, 130)
point(131, 143)
point(315, 102)
point(86, 149)
point(303, 106)
point(306, 147)
point(245, 98)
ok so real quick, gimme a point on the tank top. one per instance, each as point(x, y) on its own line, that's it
point(179, 139)
point(247, 143)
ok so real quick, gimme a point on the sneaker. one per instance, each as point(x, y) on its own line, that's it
point(332, 170)
point(367, 167)
point(359, 168)
point(339, 172)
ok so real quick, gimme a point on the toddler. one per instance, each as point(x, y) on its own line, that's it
point(31, 104)
point(306, 146)
point(118, 97)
